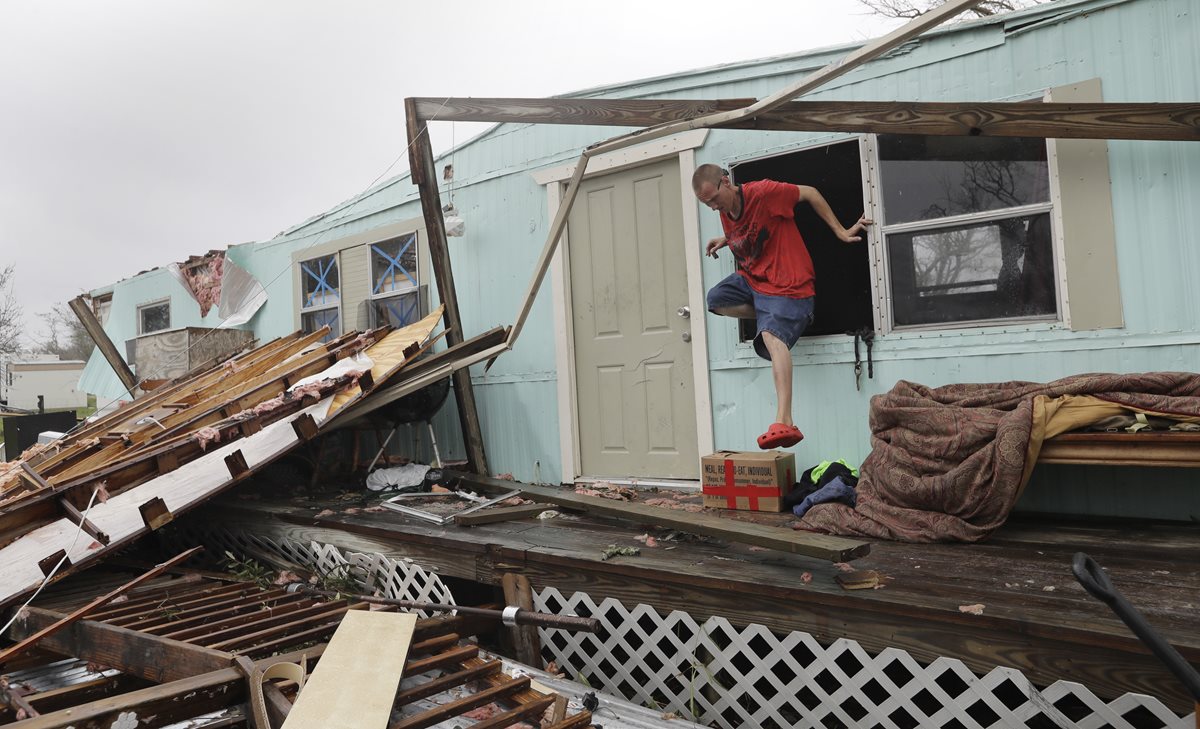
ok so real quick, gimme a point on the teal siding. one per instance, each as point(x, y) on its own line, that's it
point(98, 377)
point(1142, 50)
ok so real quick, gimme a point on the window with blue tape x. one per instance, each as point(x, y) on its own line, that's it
point(395, 282)
point(320, 295)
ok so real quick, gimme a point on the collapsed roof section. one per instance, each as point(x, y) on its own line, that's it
point(113, 480)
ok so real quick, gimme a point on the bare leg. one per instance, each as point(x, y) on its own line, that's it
point(781, 369)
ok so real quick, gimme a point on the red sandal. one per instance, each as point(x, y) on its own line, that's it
point(780, 436)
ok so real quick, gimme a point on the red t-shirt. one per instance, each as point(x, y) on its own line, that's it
point(768, 248)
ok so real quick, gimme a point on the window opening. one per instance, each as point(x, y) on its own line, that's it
point(842, 270)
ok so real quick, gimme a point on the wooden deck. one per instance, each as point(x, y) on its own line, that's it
point(1036, 617)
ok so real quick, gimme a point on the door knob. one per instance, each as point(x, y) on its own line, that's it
point(687, 336)
point(684, 312)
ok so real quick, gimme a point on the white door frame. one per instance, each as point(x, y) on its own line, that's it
point(681, 146)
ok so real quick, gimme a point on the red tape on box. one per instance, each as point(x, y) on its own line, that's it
point(731, 492)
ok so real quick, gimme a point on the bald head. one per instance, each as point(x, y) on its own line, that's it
point(707, 173)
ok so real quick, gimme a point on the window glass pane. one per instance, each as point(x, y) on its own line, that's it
point(311, 321)
point(319, 282)
point(994, 270)
point(397, 311)
point(154, 318)
point(936, 177)
point(394, 264)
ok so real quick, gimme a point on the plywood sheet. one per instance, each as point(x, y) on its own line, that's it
point(355, 683)
point(389, 352)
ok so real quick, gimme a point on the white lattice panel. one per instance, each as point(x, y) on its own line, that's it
point(718, 674)
point(399, 579)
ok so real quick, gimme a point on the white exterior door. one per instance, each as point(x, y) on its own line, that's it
point(636, 404)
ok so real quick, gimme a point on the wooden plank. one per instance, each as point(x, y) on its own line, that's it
point(446, 682)
point(1172, 450)
point(822, 546)
point(354, 685)
point(529, 710)
point(527, 646)
point(470, 701)
point(424, 175)
point(103, 343)
point(139, 654)
point(1157, 121)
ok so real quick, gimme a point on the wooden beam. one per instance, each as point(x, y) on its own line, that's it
point(1155, 121)
point(130, 651)
point(96, 332)
point(822, 546)
point(424, 176)
point(526, 644)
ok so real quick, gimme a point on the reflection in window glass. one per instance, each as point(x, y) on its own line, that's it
point(993, 270)
point(937, 177)
point(154, 318)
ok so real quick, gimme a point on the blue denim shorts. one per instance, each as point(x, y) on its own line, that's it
point(785, 317)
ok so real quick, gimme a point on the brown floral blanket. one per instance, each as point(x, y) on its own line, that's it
point(948, 463)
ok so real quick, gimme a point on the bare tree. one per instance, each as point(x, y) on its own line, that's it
point(10, 314)
point(913, 8)
point(66, 335)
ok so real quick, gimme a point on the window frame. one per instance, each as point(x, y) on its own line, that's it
point(102, 307)
point(413, 276)
point(141, 330)
point(337, 306)
point(881, 260)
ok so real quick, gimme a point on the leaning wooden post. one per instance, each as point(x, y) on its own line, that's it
point(96, 332)
point(420, 164)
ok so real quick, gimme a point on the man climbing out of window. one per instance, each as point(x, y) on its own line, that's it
point(774, 281)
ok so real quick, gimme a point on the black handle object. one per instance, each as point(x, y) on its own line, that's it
point(1095, 580)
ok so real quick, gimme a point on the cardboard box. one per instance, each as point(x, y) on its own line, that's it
point(747, 480)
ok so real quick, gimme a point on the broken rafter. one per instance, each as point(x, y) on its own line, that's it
point(1151, 121)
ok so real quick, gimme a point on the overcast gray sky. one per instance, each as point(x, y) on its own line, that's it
point(134, 133)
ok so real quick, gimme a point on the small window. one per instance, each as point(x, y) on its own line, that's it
point(395, 282)
point(967, 228)
point(154, 317)
point(320, 295)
